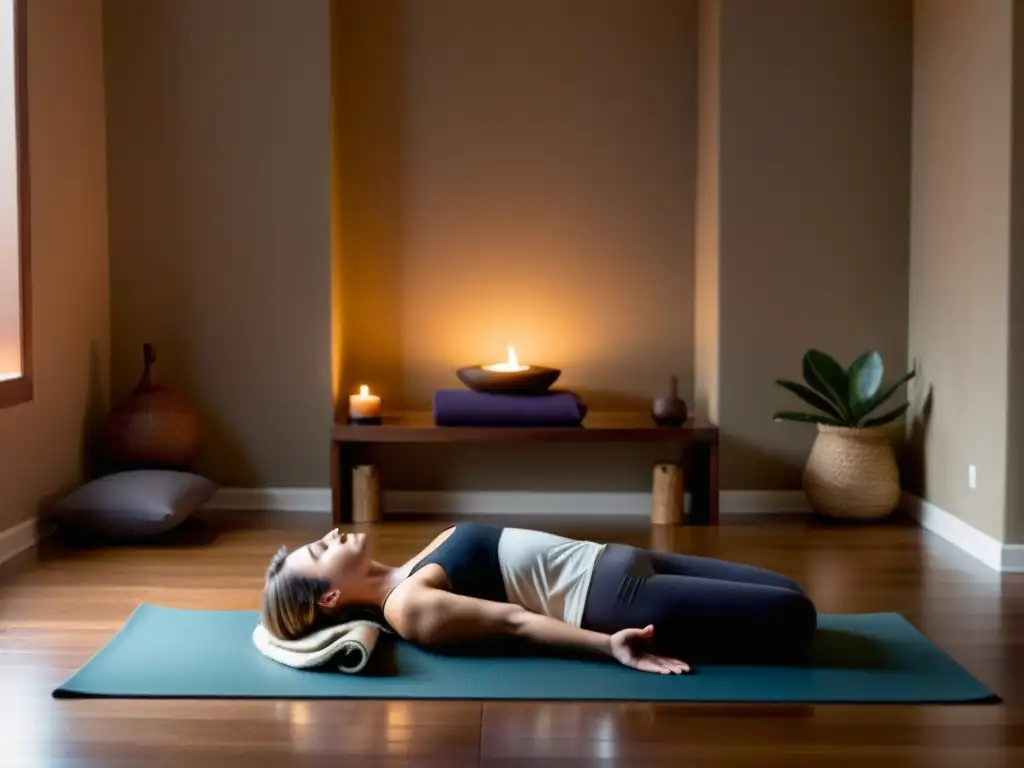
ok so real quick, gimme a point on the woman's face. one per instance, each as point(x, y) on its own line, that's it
point(337, 558)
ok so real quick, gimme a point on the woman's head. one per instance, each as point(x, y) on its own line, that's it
point(306, 586)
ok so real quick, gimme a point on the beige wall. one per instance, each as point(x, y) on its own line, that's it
point(219, 126)
point(220, 200)
point(501, 173)
point(812, 208)
point(960, 249)
point(517, 173)
point(514, 173)
point(706, 320)
point(1015, 423)
point(41, 442)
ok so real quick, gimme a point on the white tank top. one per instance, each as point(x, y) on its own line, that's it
point(547, 574)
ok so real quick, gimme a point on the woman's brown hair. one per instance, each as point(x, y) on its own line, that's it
point(290, 609)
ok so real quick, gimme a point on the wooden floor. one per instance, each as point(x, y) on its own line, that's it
point(60, 611)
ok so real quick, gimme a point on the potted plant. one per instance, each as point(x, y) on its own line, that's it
point(851, 471)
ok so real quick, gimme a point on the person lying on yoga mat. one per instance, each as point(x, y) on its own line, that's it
point(651, 611)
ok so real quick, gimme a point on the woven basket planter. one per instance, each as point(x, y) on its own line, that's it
point(852, 473)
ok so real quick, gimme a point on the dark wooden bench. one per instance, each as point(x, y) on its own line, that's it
point(699, 439)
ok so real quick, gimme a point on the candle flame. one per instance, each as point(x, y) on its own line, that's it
point(511, 365)
point(364, 390)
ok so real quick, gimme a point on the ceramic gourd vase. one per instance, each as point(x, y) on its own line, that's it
point(154, 427)
point(669, 410)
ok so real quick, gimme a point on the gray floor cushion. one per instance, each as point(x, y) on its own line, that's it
point(133, 504)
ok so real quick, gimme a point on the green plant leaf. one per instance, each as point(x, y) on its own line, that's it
point(885, 394)
point(827, 377)
point(807, 418)
point(885, 418)
point(865, 377)
point(810, 397)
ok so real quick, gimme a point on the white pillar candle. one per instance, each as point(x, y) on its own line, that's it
point(364, 405)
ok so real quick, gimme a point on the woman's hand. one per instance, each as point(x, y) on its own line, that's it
point(625, 649)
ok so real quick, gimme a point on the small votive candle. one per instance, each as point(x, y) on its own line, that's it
point(511, 365)
point(364, 408)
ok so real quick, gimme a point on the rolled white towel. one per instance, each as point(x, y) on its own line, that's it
point(349, 645)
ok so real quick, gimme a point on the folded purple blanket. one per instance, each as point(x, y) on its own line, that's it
point(466, 408)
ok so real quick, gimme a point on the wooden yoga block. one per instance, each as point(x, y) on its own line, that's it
point(365, 494)
point(667, 495)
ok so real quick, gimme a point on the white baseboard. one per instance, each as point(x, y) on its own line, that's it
point(601, 503)
point(1007, 558)
point(17, 539)
point(500, 502)
point(283, 499)
point(1013, 558)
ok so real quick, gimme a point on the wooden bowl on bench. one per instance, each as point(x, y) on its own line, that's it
point(532, 380)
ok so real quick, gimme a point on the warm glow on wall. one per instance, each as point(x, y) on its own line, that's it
point(459, 239)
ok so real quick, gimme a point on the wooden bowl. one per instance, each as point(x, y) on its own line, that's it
point(535, 380)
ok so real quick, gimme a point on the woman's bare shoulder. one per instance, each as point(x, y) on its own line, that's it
point(434, 544)
point(430, 576)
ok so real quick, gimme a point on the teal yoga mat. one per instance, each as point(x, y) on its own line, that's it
point(173, 653)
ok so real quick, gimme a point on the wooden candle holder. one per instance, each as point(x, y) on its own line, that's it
point(365, 494)
point(667, 495)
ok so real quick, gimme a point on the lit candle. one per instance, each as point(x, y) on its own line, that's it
point(509, 377)
point(509, 366)
point(364, 406)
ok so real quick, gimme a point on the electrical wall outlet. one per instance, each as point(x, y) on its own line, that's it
point(972, 476)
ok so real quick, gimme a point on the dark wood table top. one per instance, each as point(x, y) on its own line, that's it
point(419, 427)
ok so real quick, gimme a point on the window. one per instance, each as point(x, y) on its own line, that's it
point(15, 310)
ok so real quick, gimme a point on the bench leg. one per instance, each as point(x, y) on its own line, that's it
point(342, 463)
point(335, 483)
point(705, 500)
point(713, 491)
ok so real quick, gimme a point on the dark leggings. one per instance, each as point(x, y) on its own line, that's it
point(702, 609)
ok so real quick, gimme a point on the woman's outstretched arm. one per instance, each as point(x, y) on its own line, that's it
point(436, 617)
